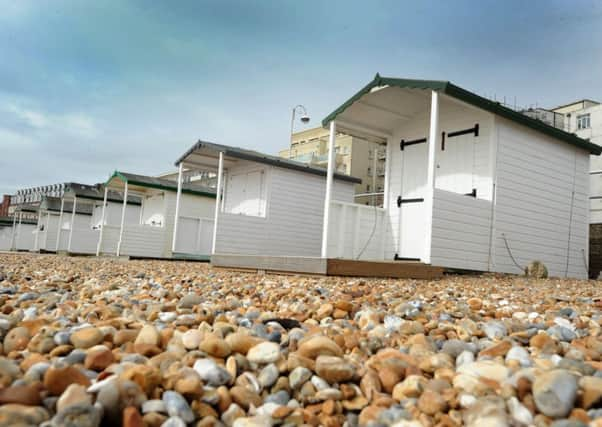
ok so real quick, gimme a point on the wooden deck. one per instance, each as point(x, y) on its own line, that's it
point(327, 267)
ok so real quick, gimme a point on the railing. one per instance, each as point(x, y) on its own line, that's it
point(357, 231)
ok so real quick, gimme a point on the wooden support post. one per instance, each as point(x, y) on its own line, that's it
point(102, 222)
point(218, 199)
point(329, 182)
point(430, 175)
point(73, 209)
point(178, 196)
point(58, 232)
point(123, 209)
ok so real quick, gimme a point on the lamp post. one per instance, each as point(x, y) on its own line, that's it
point(304, 119)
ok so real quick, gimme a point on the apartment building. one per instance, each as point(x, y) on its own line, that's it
point(584, 118)
point(354, 156)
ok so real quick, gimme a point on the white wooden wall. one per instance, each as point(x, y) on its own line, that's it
point(24, 237)
point(357, 231)
point(536, 176)
point(6, 234)
point(461, 231)
point(293, 222)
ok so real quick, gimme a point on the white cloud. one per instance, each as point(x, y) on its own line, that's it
point(75, 124)
point(12, 139)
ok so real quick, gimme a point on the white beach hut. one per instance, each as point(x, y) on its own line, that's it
point(271, 209)
point(154, 235)
point(78, 231)
point(54, 218)
point(16, 233)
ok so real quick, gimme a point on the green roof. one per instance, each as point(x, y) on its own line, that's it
point(162, 184)
point(473, 99)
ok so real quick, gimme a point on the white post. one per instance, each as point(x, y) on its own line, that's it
point(218, 192)
point(102, 221)
point(58, 233)
point(430, 175)
point(73, 209)
point(178, 195)
point(329, 181)
point(374, 166)
point(36, 242)
point(387, 175)
point(123, 209)
point(13, 237)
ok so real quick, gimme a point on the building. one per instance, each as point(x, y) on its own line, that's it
point(354, 157)
point(174, 221)
point(584, 118)
point(469, 185)
point(82, 211)
point(269, 207)
point(4, 206)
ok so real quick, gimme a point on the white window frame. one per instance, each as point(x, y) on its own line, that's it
point(143, 206)
point(264, 193)
point(583, 120)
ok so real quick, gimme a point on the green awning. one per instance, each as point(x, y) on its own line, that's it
point(161, 184)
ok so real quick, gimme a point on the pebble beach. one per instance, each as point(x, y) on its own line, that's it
point(103, 342)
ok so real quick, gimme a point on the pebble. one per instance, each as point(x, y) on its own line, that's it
point(192, 339)
point(78, 415)
point(95, 342)
point(555, 392)
point(73, 395)
point(177, 406)
point(265, 352)
point(86, 337)
point(210, 372)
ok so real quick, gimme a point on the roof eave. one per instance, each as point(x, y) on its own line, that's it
point(473, 99)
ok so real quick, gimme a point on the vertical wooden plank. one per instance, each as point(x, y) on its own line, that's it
point(342, 230)
point(356, 232)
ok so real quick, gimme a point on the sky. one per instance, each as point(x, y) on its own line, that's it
point(88, 87)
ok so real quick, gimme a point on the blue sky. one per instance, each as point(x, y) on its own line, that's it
point(89, 87)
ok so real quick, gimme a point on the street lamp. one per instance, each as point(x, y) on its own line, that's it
point(304, 119)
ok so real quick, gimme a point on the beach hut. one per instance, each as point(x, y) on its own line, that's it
point(469, 185)
point(270, 212)
point(53, 225)
point(79, 230)
point(16, 233)
point(154, 234)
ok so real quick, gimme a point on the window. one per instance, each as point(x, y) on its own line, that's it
point(368, 188)
point(583, 121)
point(152, 210)
point(246, 194)
point(369, 171)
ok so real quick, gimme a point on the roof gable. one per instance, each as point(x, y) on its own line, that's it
point(473, 99)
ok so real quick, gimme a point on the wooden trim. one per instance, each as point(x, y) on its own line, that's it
point(409, 270)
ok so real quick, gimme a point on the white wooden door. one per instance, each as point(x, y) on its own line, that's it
point(455, 164)
point(194, 236)
point(412, 210)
